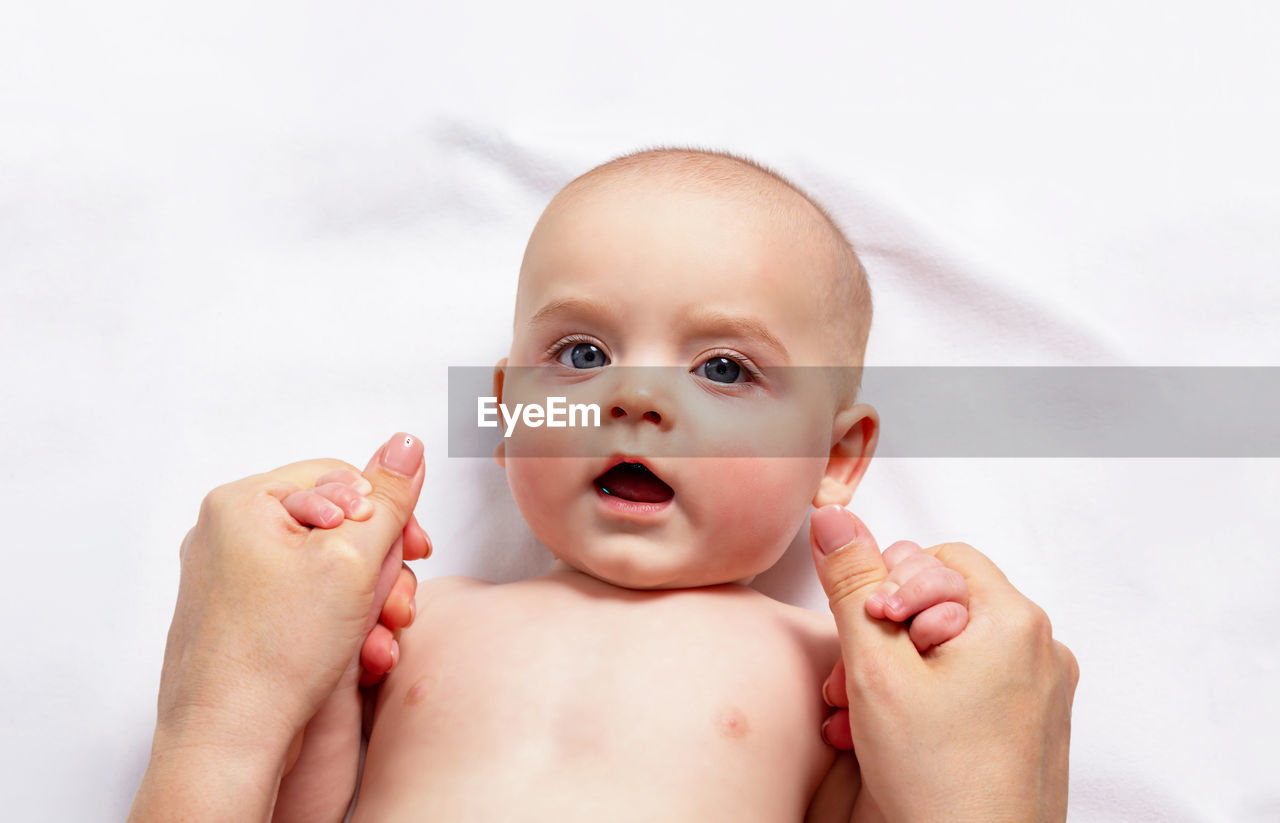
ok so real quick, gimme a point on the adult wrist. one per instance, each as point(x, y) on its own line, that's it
point(206, 782)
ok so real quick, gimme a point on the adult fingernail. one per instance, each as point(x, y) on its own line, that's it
point(833, 528)
point(402, 454)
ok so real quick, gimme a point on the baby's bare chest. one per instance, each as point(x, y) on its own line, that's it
point(711, 702)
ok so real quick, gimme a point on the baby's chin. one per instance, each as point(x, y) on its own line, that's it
point(641, 578)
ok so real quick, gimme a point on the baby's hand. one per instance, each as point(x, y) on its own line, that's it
point(919, 589)
point(337, 496)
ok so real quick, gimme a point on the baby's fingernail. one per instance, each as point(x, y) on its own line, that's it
point(361, 507)
point(363, 486)
point(395, 653)
point(331, 515)
point(413, 611)
point(825, 723)
point(893, 604)
point(826, 698)
point(876, 599)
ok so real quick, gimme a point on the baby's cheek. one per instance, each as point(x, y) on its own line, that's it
point(761, 504)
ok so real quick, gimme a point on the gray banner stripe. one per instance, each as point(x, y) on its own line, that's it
point(1212, 411)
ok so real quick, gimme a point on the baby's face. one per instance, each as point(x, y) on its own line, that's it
point(724, 299)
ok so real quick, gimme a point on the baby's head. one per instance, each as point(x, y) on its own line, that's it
point(727, 277)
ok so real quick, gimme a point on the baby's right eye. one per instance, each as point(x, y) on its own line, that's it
point(582, 356)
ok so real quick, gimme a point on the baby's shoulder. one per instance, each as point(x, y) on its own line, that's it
point(437, 592)
point(451, 583)
point(814, 625)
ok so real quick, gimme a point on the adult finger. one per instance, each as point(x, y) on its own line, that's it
point(378, 655)
point(387, 577)
point(417, 544)
point(398, 611)
point(833, 689)
point(396, 472)
point(836, 731)
point(850, 568)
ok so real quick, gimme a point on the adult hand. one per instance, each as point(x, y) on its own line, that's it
point(977, 729)
point(340, 495)
point(269, 615)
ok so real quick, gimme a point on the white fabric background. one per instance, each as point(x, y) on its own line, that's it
point(239, 236)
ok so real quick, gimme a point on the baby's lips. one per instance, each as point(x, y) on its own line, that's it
point(618, 458)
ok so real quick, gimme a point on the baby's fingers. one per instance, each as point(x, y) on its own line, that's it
point(347, 477)
point(929, 587)
point(353, 504)
point(938, 624)
point(311, 509)
point(904, 560)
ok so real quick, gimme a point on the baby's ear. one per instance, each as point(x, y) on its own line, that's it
point(855, 432)
point(499, 374)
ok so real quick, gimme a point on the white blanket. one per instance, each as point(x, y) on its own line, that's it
point(237, 237)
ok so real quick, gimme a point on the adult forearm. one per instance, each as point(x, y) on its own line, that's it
point(207, 784)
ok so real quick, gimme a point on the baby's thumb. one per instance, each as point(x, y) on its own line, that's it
point(851, 569)
point(395, 471)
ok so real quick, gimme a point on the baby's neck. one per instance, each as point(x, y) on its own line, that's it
point(562, 570)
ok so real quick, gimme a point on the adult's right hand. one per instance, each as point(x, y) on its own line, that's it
point(269, 615)
point(977, 729)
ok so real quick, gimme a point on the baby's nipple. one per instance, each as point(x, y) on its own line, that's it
point(730, 722)
point(418, 691)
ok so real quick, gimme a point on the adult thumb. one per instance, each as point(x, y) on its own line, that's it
point(851, 569)
point(395, 471)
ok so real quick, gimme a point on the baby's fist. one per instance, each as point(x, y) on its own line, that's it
point(934, 598)
point(338, 495)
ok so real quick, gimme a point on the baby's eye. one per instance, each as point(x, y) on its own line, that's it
point(722, 370)
point(583, 356)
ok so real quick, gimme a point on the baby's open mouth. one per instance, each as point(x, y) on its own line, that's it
point(634, 481)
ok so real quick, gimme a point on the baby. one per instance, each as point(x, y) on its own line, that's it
point(641, 679)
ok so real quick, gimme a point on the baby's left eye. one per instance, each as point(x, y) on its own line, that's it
point(723, 370)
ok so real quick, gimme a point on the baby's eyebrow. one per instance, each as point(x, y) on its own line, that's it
point(717, 324)
point(571, 306)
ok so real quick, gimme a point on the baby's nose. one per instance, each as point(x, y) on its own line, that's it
point(652, 415)
point(640, 396)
